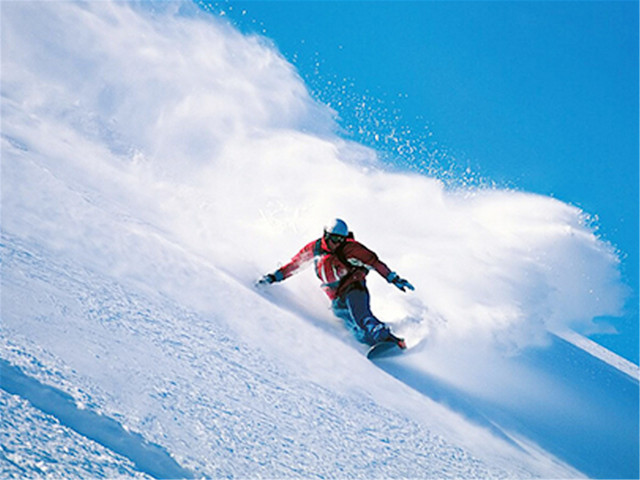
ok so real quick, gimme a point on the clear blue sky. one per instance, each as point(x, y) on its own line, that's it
point(539, 96)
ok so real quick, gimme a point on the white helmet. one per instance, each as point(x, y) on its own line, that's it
point(338, 227)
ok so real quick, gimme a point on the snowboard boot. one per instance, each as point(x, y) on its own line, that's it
point(398, 341)
point(381, 333)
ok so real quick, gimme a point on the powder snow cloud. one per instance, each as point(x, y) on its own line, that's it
point(176, 120)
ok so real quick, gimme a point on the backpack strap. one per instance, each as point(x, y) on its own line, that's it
point(339, 252)
point(318, 252)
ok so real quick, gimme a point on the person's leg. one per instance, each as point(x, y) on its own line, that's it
point(341, 310)
point(358, 304)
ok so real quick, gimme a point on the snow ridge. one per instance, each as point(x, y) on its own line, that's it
point(147, 458)
point(598, 351)
point(36, 445)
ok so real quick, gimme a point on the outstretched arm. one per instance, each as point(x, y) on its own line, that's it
point(357, 254)
point(299, 261)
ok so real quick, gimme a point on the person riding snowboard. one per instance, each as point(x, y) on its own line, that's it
point(342, 264)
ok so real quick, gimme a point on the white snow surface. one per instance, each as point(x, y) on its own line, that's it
point(156, 162)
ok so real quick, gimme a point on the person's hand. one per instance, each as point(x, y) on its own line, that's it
point(270, 278)
point(401, 283)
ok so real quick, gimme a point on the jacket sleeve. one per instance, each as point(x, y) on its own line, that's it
point(359, 255)
point(300, 260)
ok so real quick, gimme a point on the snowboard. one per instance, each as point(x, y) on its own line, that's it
point(383, 350)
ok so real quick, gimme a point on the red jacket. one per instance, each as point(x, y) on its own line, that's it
point(336, 276)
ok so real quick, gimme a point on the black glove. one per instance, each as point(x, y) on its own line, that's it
point(270, 278)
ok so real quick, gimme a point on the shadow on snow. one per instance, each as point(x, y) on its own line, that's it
point(147, 457)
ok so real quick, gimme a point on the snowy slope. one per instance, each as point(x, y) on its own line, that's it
point(221, 406)
point(154, 164)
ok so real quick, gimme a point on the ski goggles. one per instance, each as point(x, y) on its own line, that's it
point(335, 238)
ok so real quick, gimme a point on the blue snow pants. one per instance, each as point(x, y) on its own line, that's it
point(354, 310)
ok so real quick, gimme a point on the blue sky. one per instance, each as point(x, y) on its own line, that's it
point(538, 96)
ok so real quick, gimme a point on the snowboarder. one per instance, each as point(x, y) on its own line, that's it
point(342, 264)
